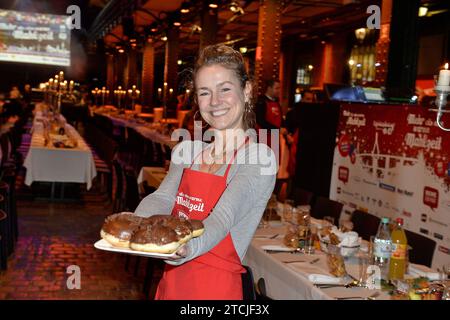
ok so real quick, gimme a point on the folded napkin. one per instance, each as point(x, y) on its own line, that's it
point(423, 271)
point(324, 279)
point(349, 239)
point(316, 274)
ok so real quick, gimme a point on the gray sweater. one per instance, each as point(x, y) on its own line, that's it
point(251, 180)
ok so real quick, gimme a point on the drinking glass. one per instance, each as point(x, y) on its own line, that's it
point(363, 263)
point(335, 261)
point(330, 219)
point(287, 210)
point(370, 251)
point(309, 241)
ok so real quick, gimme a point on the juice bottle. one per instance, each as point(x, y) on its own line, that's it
point(397, 264)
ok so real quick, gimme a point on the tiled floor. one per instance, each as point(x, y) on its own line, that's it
point(54, 236)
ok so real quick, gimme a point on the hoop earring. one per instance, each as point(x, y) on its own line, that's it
point(203, 126)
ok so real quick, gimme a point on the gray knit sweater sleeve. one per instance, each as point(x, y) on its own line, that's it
point(250, 183)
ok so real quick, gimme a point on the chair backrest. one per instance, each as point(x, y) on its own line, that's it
point(422, 248)
point(132, 198)
point(326, 207)
point(248, 285)
point(365, 224)
point(117, 180)
point(261, 290)
point(302, 197)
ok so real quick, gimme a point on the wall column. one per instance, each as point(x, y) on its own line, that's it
point(267, 59)
point(148, 73)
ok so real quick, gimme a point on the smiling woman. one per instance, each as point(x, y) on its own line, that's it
point(229, 196)
point(222, 84)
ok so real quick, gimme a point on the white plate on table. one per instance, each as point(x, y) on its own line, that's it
point(106, 246)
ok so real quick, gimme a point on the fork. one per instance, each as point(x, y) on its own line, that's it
point(373, 296)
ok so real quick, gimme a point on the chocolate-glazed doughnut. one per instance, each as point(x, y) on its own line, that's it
point(155, 238)
point(182, 227)
point(198, 227)
point(118, 228)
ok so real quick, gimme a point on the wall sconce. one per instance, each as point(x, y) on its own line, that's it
point(442, 89)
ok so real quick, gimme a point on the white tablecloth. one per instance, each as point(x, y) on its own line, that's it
point(50, 164)
point(289, 281)
point(141, 128)
point(152, 175)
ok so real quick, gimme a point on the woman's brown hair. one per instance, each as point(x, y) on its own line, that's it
point(233, 60)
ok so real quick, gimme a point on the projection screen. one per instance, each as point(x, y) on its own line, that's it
point(27, 37)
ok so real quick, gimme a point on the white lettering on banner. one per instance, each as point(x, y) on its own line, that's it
point(421, 129)
point(32, 35)
point(351, 121)
point(422, 141)
point(415, 119)
point(186, 202)
point(385, 127)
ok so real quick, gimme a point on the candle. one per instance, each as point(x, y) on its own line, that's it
point(444, 76)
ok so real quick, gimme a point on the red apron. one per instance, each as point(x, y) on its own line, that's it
point(216, 275)
point(273, 113)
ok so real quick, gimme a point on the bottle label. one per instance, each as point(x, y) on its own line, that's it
point(398, 251)
point(382, 248)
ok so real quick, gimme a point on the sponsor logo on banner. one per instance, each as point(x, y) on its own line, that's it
point(386, 187)
point(343, 174)
point(372, 183)
point(438, 236)
point(405, 192)
point(423, 217)
point(437, 222)
point(439, 168)
point(431, 197)
point(424, 231)
point(344, 145)
point(444, 249)
point(407, 214)
point(350, 194)
point(352, 205)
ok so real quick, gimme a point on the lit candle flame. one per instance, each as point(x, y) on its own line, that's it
point(446, 66)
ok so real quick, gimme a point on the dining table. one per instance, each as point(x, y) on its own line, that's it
point(153, 176)
point(293, 275)
point(48, 162)
point(146, 129)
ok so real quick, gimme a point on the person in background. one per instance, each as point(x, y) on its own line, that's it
point(268, 110)
point(269, 115)
point(15, 94)
point(27, 94)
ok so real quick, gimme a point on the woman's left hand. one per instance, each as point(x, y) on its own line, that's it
point(182, 252)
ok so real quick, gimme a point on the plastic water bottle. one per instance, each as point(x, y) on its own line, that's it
point(382, 248)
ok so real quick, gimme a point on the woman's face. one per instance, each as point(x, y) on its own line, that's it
point(221, 99)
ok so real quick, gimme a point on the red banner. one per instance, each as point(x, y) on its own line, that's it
point(394, 161)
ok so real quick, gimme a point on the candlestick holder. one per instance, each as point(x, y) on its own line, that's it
point(441, 102)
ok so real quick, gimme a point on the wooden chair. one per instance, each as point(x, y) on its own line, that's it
point(3, 239)
point(248, 285)
point(365, 224)
point(261, 290)
point(302, 197)
point(326, 207)
point(422, 248)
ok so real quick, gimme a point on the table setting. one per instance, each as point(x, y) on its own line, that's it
point(301, 257)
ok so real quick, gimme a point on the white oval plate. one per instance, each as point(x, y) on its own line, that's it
point(106, 246)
